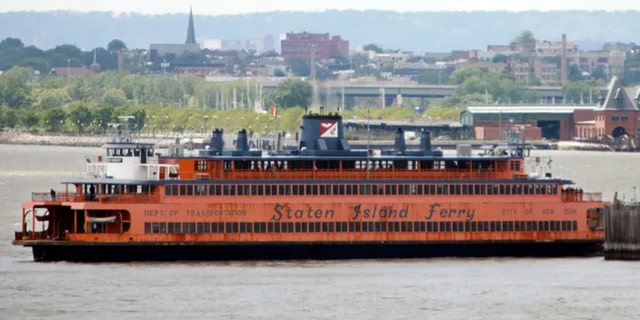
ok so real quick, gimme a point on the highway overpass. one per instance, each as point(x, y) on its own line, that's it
point(392, 91)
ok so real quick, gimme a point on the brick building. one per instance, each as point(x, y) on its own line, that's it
point(617, 113)
point(320, 46)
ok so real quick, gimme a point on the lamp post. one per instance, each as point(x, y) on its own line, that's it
point(204, 124)
point(164, 64)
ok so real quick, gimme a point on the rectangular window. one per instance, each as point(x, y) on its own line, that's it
point(147, 227)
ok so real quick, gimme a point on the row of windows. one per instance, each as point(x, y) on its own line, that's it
point(371, 164)
point(624, 117)
point(361, 189)
point(358, 226)
point(128, 152)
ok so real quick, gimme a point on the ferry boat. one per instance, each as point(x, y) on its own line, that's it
point(321, 200)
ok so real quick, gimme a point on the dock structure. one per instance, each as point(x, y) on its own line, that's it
point(622, 231)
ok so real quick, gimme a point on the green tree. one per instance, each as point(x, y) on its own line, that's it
point(114, 97)
point(580, 91)
point(15, 91)
point(80, 117)
point(29, 119)
point(300, 67)
point(10, 52)
point(50, 98)
point(372, 47)
point(631, 73)
point(483, 86)
point(291, 93)
point(116, 45)
point(8, 118)
point(574, 73)
point(433, 77)
point(525, 41)
point(53, 119)
point(500, 58)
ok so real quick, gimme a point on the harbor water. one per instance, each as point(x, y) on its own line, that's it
point(444, 288)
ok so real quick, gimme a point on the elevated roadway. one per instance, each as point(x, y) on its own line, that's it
point(393, 90)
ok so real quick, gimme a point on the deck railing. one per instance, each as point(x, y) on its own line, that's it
point(102, 198)
point(292, 174)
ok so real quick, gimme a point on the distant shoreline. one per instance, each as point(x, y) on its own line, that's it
point(25, 138)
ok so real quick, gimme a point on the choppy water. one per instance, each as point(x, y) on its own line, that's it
point(584, 288)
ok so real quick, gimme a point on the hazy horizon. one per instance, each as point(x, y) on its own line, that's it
point(205, 7)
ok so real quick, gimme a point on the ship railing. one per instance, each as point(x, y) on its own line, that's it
point(127, 198)
point(451, 174)
point(592, 196)
point(79, 197)
point(573, 195)
point(57, 196)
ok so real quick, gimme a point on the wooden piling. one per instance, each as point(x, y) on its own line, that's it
point(622, 231)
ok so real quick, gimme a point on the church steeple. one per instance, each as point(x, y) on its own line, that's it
point(191, 35)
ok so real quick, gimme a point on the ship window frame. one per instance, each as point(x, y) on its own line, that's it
point(147, 227)
point(200, 189)
point(155, 227)
point(295, 190)
point(390, 189)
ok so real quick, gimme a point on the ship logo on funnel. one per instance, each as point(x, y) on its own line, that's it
point(328, 129)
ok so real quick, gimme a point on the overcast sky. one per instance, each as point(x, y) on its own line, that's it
point(215, 7)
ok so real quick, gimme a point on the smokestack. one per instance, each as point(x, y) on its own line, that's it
point(217, 142)
point(425, 140)
point(242, 143)
point(400, 143)
point(563, 62)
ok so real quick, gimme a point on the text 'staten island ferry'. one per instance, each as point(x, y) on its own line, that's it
point(321, 201)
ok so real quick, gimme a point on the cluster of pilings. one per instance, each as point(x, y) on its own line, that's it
point(622, 231)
